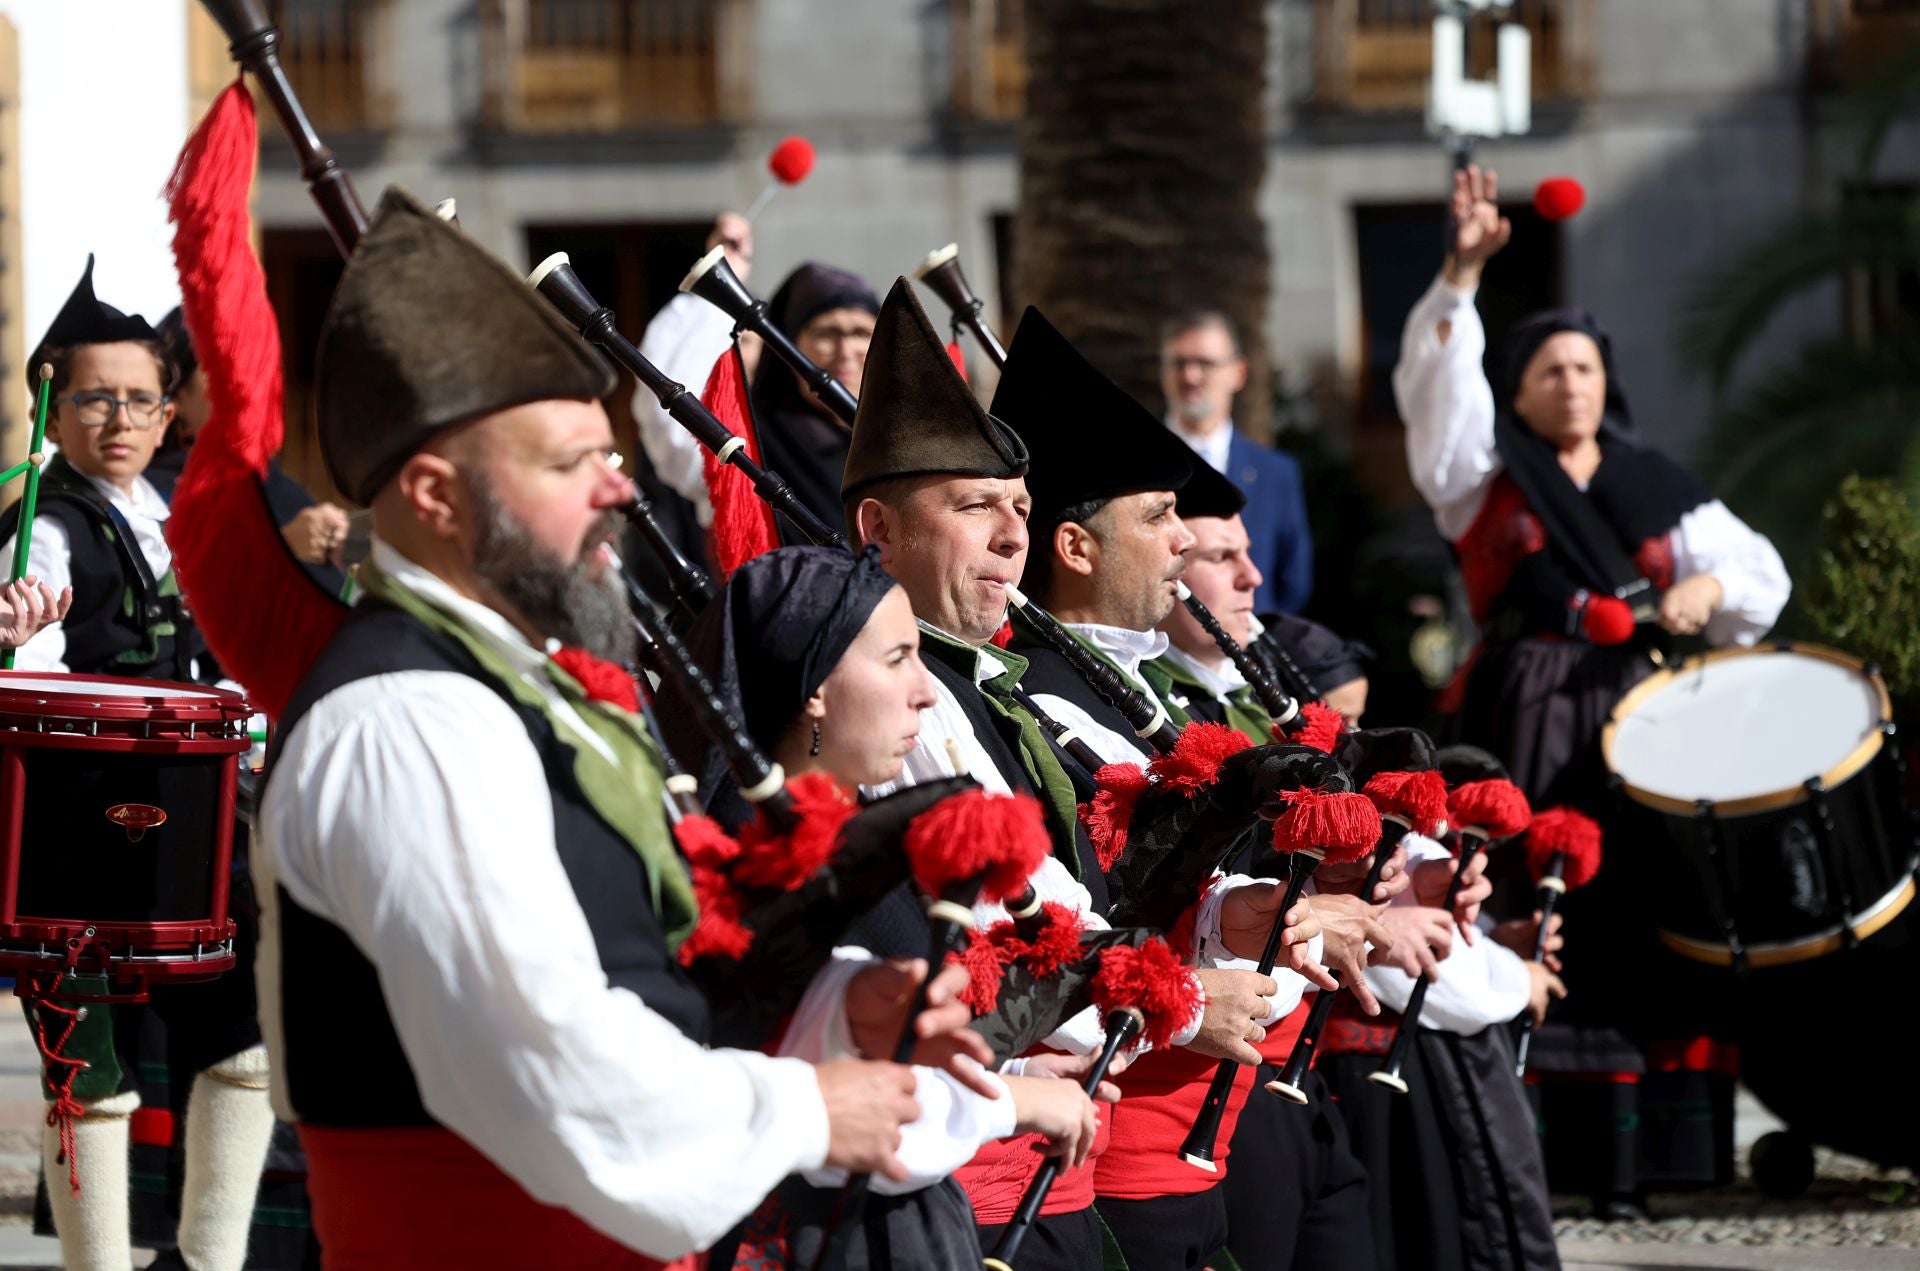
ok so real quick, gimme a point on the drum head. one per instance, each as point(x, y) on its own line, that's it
point(1746, 726)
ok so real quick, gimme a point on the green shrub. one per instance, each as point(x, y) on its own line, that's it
point(1865, 597)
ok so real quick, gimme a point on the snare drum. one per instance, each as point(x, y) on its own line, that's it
point(1774, 771)
point(116, 825)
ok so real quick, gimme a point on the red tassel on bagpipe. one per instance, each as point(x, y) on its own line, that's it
point(785, 859)
point(1321, 727)
point(262, 615)
point(1194, 762)
point(1053, 947)
point(1418, 798)
point(958, 357)
point(1107, 815)
point(1496, 808)
point(1152, 979)
point(743, 526)
point(602, 680)
point(1570, 835)
point(1339, 826)
point(1190, 767)
point(1001, 839)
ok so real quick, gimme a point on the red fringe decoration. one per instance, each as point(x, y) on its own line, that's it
point(1570, 835)
point(1321, 727)
point(704, 843)
point(603, 681)
point(719, 931)
point(1497, 807)
point(262, 616)
point(743, 525)
point(1055, 945)
point(1195, 759)
point(1184, 929)
point(1343, 826)
point(1004, 636)
point(1420, 798)
point(959, 358)
point(1152, 979)
point(985, 958)
point(1110, 811)
point(786, 860)
point(999, 839)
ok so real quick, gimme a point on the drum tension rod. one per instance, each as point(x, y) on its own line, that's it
point(1824, 834)
point(1718, 881)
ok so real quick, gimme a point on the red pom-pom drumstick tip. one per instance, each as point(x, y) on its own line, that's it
point(791, 160)
point(1558, 198)
point(1607, 620)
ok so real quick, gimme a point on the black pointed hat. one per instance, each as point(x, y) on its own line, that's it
point(84, 319)
point(1209, 493)
point(1089, 438)
point(428, 329)
point(917, 416)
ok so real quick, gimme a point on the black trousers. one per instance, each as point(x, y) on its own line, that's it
point(1059, 1242)
point(1168, 1233)
point(1296, 1194)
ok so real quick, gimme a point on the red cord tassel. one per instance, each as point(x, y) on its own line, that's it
point(743, 525)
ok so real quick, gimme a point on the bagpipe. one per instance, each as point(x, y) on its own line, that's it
point(1481, 813)
point(1563, 852)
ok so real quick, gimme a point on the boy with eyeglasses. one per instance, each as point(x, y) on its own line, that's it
point(100, 531)
point(101, 525)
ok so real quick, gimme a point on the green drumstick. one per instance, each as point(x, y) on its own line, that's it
point(36, 455)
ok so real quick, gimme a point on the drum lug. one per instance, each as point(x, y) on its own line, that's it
point(1718, 883)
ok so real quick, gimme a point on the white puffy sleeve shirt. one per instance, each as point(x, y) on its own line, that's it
point(1448, 408)
point(684, 340)
point(411, 811)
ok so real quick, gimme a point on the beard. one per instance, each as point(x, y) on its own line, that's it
point(563, 601)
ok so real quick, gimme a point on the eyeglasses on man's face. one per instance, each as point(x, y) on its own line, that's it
point(96, 410)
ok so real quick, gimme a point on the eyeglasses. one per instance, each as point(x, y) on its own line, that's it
point(1205, 365)
point(839, 335)
point(96, 410)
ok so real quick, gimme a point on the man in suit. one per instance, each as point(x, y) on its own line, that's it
point(1201, 368)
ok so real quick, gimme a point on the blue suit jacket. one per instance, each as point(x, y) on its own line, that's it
point(1276, 520)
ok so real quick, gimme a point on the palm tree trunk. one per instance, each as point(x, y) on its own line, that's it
point(1141, 156)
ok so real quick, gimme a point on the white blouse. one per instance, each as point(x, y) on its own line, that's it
point(1448, 406)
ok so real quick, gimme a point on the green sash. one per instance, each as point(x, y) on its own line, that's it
point(1036, 755)
point(1244, 712)
point(626, 791)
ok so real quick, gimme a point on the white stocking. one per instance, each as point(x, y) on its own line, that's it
point(229, 1121)
point(93, 1221)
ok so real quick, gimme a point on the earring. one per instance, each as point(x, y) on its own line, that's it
point(815, 749)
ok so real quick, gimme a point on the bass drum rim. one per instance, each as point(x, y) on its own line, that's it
point(1849, 766)
point(1864, 924)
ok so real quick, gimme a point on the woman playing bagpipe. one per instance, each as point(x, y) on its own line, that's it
point(1582, 549)
point(819, 650)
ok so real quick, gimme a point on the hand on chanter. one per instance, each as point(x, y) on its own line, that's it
point(1422, 938)
point(877, 1001)
point(1075, 1068)
point(1479, 231)
point(1545, 984)
point(1235, 1003)
point(867, 1102)
point(1521, 935)
point(1430, 882)
point(1246, 919)
point(1060, 1112)
point(29, 606)
point(1349, 876)
point(1348, 926)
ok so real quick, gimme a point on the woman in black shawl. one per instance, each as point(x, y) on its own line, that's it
point(1583, 551)
point(829, 314)
point(819, 652)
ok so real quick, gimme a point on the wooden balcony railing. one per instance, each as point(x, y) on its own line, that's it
point(335, 52)
point(608, 65)
point(1377, 55)
point(989, 59)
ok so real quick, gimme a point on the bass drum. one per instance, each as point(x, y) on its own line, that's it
point(1772, 770)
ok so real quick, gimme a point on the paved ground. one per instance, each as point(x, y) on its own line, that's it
point(1854, 1219)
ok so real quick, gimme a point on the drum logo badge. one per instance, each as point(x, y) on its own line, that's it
point(136, 818)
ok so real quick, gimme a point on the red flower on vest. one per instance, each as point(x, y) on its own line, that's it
point(603, 681)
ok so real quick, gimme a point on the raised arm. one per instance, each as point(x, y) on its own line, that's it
point(1438, 385)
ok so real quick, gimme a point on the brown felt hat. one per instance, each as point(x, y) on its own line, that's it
point(428, 329)
point(917, 416)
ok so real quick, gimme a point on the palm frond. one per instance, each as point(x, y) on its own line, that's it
point(1733, 302)
point(1872, 110)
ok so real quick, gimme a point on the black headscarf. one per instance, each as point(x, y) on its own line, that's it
point(770, 639)
point(797, 439)
point(1637, 492)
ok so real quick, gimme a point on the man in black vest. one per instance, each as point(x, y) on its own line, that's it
point(472, 894)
